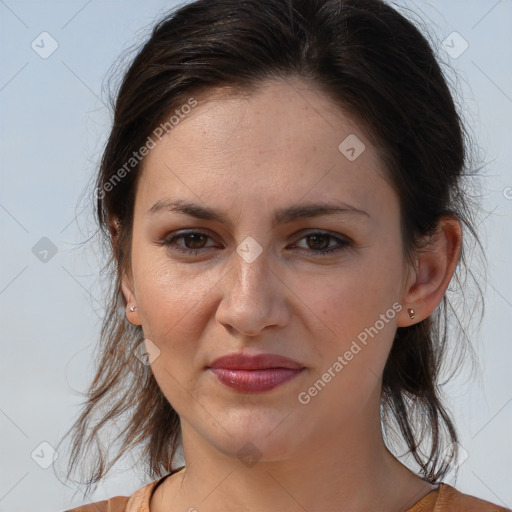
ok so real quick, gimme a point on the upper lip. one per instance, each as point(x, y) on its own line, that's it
point(237, 361)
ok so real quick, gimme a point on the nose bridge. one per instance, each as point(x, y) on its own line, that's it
point(255, 278)
point(252, 274)
point(250, 295)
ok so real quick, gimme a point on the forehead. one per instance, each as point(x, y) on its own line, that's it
point(286, 137)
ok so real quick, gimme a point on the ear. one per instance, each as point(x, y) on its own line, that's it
point(435, 265)
point(127, 288)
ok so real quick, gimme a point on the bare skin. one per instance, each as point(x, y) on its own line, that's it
point(247, 157)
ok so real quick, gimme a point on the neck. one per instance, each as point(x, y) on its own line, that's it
point(349, 466)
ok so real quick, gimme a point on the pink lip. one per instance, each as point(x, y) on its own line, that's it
point(254, 374)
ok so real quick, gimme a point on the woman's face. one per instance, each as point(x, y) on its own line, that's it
point(255, 287)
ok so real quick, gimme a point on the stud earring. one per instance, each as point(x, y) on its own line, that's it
point(411, 313)
point(133, 308)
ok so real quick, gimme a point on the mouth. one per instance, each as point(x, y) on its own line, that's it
point(255, 373)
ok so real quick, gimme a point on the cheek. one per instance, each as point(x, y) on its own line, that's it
point(171, 304)
point(356, 312)
point(169, 300)
point(352, 296)
point(352, 341)
point(161, 284)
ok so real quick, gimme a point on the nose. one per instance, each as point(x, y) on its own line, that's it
point(254, 296)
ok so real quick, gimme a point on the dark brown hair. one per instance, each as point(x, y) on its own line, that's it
point(374, 64)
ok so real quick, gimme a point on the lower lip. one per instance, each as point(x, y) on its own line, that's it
point(255, 381)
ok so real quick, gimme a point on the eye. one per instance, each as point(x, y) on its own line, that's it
point(194, 238)
point(319, 241)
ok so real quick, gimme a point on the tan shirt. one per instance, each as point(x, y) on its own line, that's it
point(444, 499)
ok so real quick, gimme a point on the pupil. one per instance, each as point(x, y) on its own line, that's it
point(196, 236)
point(317, 237)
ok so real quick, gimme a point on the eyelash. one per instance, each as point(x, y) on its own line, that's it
point(344, 244)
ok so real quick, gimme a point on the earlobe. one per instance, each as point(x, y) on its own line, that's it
point(435, 266)
point(114, 227)
point(132, 314)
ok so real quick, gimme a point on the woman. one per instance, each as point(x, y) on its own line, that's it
point(283, 194)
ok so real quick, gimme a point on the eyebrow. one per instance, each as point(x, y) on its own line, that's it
point(281, 215)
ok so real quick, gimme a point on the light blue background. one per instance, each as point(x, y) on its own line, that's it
point(53, 127)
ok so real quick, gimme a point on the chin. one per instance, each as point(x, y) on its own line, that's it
point(265, 435)
point(251, 450)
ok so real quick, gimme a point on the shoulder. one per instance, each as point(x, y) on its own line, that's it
point(117, 504)
point(448, 499)
point(137, 502)
point(448, 496)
